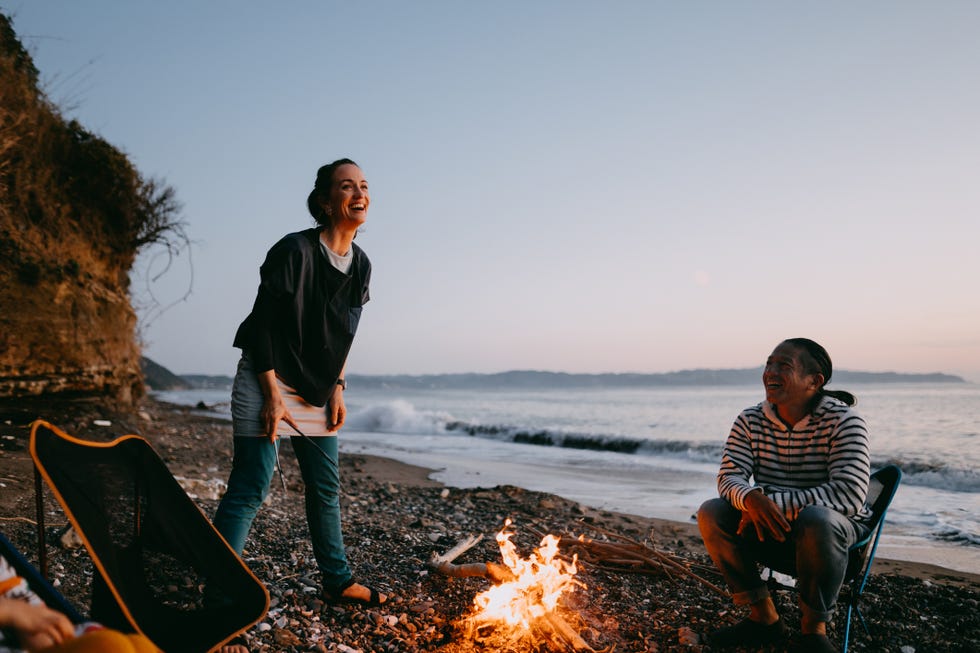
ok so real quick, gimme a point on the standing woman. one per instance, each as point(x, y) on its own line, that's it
point(294, 345)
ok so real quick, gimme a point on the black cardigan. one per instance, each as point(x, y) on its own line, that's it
point(305, 315)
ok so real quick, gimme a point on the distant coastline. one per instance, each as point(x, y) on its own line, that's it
point(702, 377)
point(159, 378)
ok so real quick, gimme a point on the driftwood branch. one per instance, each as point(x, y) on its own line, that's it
point(461, 547)
point(491, 570)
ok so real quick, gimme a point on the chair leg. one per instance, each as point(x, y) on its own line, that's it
point(42, 541)
point(864, 624)
point(853, 608)
point(847, 627)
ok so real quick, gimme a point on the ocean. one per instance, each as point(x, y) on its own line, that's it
point(654, 451)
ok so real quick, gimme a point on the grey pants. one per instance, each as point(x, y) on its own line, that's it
point(817, 544)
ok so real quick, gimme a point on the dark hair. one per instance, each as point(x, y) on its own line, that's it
point(815, 359)
point(321, 188)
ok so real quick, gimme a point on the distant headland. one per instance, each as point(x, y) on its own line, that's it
point(158, 377)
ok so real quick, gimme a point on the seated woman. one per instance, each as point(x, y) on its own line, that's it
point(807, 452)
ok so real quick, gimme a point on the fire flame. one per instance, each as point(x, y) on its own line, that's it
point(538, 584)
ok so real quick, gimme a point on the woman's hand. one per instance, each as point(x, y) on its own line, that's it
point(273, 408)
point(38, 626)
point(336, 410)
point(764, 515)
point(274, 411)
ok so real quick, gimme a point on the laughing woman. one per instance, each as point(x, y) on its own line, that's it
point(290, 378)
point(792, 484)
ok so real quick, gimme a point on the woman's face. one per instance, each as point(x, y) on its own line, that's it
point(785, 379)
point(349, 197)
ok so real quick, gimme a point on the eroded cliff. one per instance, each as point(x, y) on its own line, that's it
point(74, 212)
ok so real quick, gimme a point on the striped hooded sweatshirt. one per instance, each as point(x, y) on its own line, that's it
point(824, 459)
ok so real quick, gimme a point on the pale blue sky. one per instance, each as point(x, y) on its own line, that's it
point(572, 186)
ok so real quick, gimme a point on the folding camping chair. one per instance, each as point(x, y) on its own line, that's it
point(151, 545)
point(881, 491)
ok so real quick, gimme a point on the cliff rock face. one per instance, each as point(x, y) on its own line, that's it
point(73, 214)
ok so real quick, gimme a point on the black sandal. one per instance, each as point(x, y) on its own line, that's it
point(337, 596)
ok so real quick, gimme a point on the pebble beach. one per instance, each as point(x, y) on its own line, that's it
point(396, 517)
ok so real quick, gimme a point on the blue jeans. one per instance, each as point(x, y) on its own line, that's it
point(817, 545)
point(252, 469)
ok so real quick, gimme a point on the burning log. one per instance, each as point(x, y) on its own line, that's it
point(550, 630)
point(567, 635)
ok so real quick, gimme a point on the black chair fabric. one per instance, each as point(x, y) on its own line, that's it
point(153, 548)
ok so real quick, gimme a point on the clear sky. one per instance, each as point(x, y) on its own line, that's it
point(571, 186)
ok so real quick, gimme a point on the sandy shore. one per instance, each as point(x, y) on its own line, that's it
point(396, 517)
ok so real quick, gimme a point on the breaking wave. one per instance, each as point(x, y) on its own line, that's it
point(402, 417)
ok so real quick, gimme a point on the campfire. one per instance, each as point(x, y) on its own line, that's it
point(520, 611)
point(526, 609)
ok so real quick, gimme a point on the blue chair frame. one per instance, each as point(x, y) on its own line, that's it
point(881, 490)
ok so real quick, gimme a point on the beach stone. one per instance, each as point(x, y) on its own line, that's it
point(307, 582)
point(286, 638)
point(70, 539)
point(687, 637)
point(343, 648)
point(196, 488)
